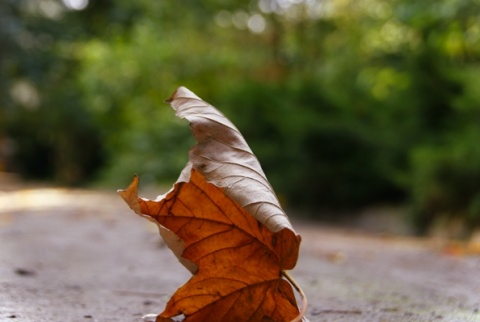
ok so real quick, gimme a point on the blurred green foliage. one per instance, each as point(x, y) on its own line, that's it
point(346, 103)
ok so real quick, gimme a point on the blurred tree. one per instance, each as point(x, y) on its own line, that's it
point(42, 110)
point(346, 103)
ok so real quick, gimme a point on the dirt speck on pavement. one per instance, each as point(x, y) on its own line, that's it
point(71, 255)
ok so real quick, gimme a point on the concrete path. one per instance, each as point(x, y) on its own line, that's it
point(84, 256)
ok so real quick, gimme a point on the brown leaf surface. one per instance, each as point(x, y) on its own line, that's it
point(225, 224)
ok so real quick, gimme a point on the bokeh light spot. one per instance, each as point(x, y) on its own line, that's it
point(76, 4)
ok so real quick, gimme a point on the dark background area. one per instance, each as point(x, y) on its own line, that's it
point(347, 104)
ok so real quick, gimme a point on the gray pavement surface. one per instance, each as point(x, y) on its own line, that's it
point(71, 255)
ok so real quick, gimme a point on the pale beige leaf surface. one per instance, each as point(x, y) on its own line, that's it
point(224, 158)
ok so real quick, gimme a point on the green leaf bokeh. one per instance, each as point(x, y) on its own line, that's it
point(346, 103)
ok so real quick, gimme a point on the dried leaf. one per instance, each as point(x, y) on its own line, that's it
point(224, 223)
point(224, 158)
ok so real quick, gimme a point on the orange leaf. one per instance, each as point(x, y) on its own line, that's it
point(224, 223)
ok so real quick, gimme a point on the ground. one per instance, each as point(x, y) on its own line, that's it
point(72, 255)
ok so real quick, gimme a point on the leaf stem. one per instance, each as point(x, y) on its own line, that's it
point(303, 309)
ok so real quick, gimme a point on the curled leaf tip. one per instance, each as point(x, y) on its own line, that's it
point(180, 92)
point(130, 195)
